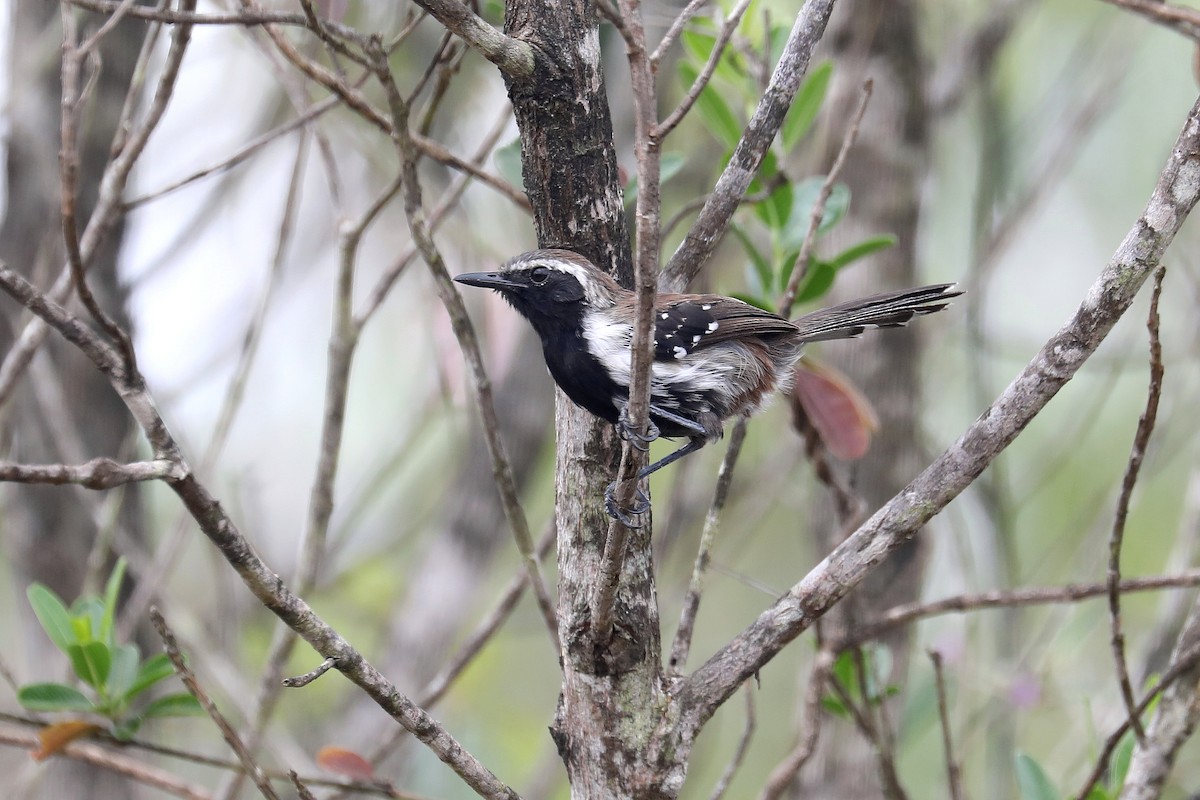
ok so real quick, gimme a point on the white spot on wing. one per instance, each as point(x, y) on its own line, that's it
point(679, 352)
point(706, 306)
point(712, 326)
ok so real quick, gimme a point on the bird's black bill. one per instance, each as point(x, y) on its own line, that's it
point(488, 280)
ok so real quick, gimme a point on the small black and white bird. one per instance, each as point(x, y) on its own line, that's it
point(714, 357)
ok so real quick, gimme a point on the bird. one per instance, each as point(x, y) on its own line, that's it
point(715, 357)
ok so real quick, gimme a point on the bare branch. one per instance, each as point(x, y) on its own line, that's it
point(1184, 21)
point(1184, 665)
point(647, 215)
point(682, 644)
point(800, 268)
point(515, 58)
point(468, 343)
point(119, 763)
point(712, 223)
point(1060, 358)
point(693, 93)
point(1033, 596)
point(1141, 439)
point(99, 473)
point(676, 28)
point(263, 583)
point(782, 776)
point(197, 691)
point(743, 747)
point(953, 774)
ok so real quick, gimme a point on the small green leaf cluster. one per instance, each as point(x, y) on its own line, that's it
point(113, 673)
point(856, 676)
point(773, 233)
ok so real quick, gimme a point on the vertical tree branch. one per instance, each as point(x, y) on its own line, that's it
point(1141, 439)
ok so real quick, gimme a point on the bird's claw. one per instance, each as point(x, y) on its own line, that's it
point(626, 516)
point(626, 430)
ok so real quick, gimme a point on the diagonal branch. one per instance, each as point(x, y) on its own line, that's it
point(1054, 365)
point(263, 583)
point(712, 223)
point(514, 57)
point(1141, 439)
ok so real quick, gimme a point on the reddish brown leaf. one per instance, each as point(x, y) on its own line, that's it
point(837, 410)
point(345, 762)
point(55, 737)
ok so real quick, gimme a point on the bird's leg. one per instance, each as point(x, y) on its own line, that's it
point(641, 501)
point(640, 441)
point(641, 504)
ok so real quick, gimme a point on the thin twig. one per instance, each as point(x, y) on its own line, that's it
point(785, 773)
point(800, 268)
point(1031, 596)
point(682, 644)
point(1141, 440)
point(648, 216)
point(710, 226)
point(953, 774)
point(1186, 660)
point(743, 747)
point(119, 763)
point(1184, 21)
point(197, 691)
point(468, 342)
point(99, 473)
point(664, 128)
point(677, 25)
point(299, 681)
point(263, 582)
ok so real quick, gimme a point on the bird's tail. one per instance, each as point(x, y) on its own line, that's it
point(886, 310)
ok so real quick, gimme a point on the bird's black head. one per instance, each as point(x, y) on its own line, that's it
point(550, 288)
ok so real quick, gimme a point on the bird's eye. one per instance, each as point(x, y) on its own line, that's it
point(539, 275)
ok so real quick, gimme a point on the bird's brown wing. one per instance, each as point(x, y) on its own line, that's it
point(685, 323)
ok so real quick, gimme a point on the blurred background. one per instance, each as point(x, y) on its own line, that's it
point(1009, 146)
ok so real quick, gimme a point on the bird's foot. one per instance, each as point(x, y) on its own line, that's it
point(625, 429)
point(626, 516)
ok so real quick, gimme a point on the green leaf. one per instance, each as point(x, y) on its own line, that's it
point(863, 249)
point(111, 590)
point(776, 209)
point(697, 45)
point(123, 672)
point(763, 274)
point(53, 616)
point(508, 160)
point(88, 616)
point(808, 102)
point(174, 705)
point(835, 706)
point(52, 697)
point(92, 661)
point(805, 198)
point(814, 284)
point(153, 670)
point(1032, 780)
point(126, 729)
point(1119, 767)
point(716, 114)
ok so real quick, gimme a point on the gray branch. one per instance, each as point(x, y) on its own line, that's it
point(712, 223)
point(514, 57)
point(99, 473)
